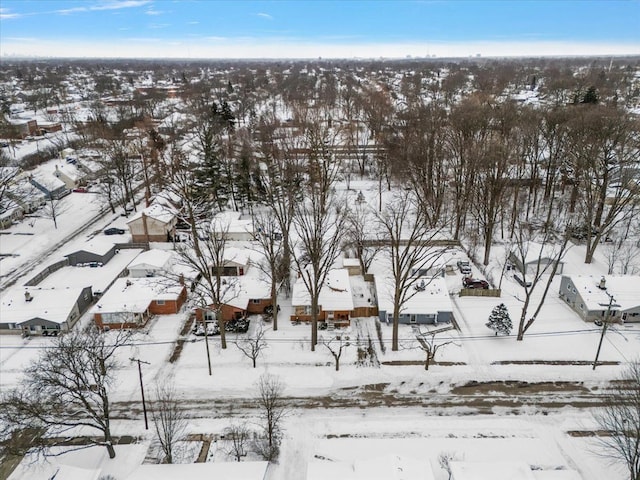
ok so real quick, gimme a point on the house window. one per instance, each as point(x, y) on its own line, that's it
point(86, 296)
point(569, 286)
point(159, 302)
point(255, 300)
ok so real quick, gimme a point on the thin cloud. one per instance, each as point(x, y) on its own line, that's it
point(151, 11)
point(159, 25)
point(194, 23)
point(5, 14)
point(109, 5)
point(265, 15)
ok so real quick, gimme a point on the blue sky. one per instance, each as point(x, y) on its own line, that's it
point(313, 28)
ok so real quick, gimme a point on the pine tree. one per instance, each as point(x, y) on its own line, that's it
point(591, 96)
point(499, 320)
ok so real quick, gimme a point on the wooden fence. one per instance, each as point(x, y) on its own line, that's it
point(479, 292)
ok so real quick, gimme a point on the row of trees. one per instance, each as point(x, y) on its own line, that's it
point(68, 388)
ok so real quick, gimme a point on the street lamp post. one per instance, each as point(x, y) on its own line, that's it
point(144, 404)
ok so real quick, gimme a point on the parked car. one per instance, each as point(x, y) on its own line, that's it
point(113, 231)
point(521, 280)
point(212, 329)
point(469, 282)
point(464, 266)
point(81, 190)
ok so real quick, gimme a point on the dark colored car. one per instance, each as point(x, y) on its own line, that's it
point(113, 231)
point(475, 283)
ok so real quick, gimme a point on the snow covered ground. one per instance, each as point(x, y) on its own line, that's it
point(558, 347)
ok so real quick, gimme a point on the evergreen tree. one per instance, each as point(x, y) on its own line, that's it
point(499, 320)
point(591, 96)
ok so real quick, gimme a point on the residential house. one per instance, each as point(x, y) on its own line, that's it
point(243, 295)
point(52, 187)
point(534, 254)
point(130, 302)
point(69, 173)
point(151, 263)
point(42, 311)
point(10, 212)
point(427, 303)
point(335, 302)
point(155, 223)
point(255, 470)
point(592, 296)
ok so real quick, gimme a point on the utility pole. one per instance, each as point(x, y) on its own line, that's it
point(604, 329)
point(144, 404)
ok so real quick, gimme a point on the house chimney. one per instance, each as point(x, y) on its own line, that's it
point(27, 296)
point(603, 284)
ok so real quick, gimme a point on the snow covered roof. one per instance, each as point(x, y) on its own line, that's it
point(229, 470)
point(231, 222)
point(53, 304)
point(433, 299)
point(97, 246)
point(624, 289)
point(159, 212)
point(336, 293)
point(136, 294)
point(152, 259)
point(239, 256)
point(49, 182)
point(490, 471)
point(386, 467)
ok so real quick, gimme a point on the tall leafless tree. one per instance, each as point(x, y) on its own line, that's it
point(320, 222)
point(272, 412)
point(169, 419)
point(620, 419)
point(410, 250)
point(67, 387)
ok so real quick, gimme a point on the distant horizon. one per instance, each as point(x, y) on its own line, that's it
point(192, 29)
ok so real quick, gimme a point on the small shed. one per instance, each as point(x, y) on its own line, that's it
point(150, 263)
point(534, 254)
point(352, 265)
point(94, 252)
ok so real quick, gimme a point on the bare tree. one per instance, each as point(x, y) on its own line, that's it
point(547, 249)
point(320, 223)
point(428, 344)
point(409, 245)
point(53, 208)
point(336, 346)
point(239, 436)
point(253, 346)
point(360, 234)
point(272, 411)
point(65, 388)
point(620, 419)
point(169, 420)
point(269, 241)
point(204, 253)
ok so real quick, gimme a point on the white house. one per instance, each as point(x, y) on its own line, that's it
point(155, 223)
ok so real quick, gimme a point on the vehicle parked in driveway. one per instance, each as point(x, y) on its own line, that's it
point(521, 280)
point(469, 282)
point(81, 190)
point(114, 231)
point(464, 266)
